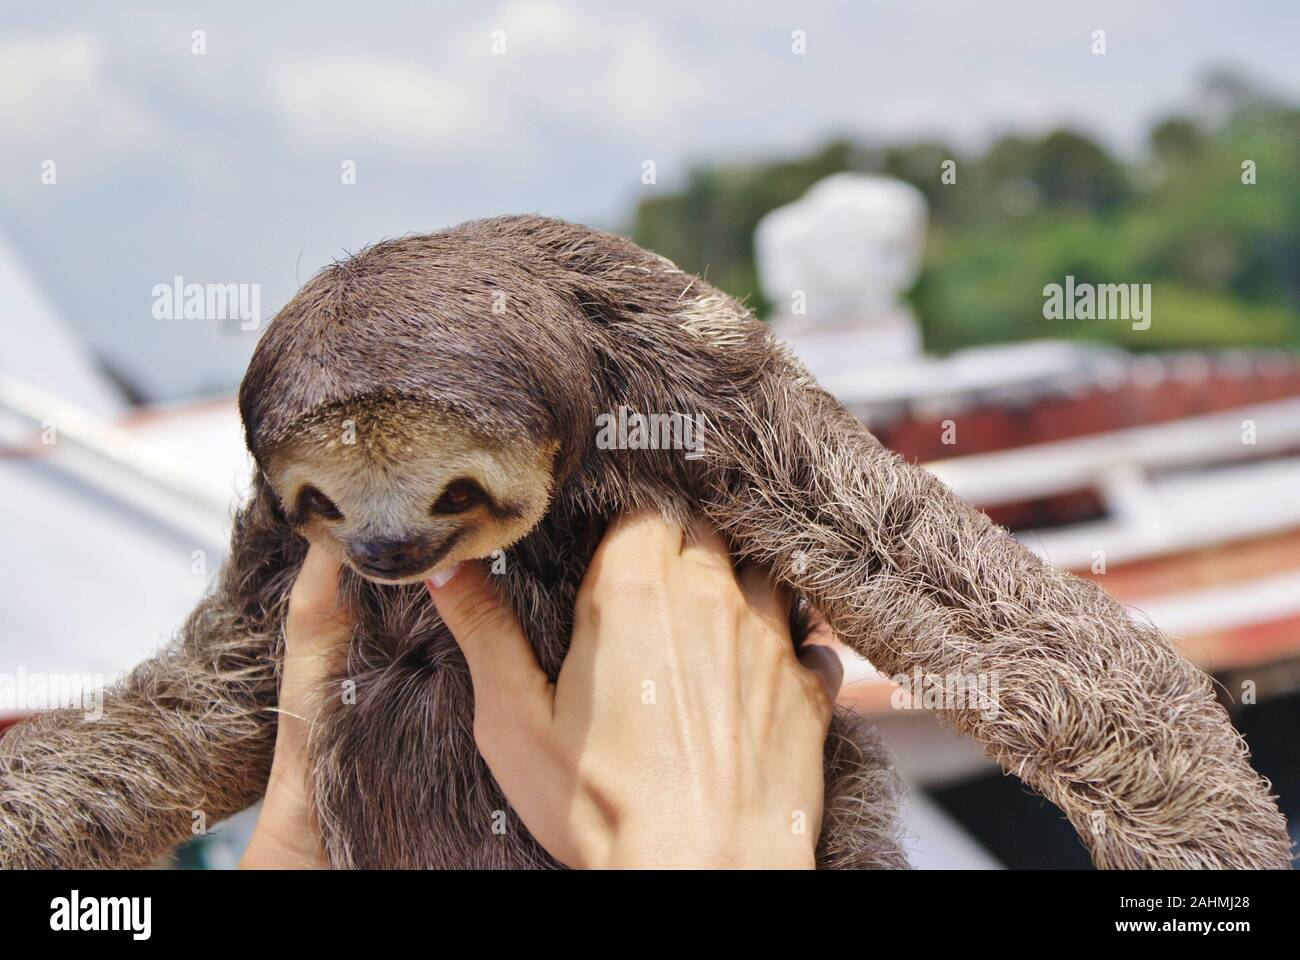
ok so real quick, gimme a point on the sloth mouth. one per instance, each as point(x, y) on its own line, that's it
point(415, 569)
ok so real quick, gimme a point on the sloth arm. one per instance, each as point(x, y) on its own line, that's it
point(184, 740)
point(1094, 710)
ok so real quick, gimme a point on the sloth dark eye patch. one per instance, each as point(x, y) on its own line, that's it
point(311, 500)
point(459, 496)
point(463, 494)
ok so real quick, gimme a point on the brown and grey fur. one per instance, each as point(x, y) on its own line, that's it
point(1098, 713)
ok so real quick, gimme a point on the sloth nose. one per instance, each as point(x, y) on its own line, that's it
point(384, 554)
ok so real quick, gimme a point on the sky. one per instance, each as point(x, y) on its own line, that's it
point(226, 166)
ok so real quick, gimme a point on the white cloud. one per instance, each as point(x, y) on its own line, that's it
point(605, 70)
point(608, 68)
point(649, 86)
point(55, 94)
point(371, 98)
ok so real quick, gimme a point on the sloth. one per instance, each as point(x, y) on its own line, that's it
point(434, 399)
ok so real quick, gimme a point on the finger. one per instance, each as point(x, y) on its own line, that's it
point(642, 537)
point(317, 628)
point(705, 547)
point(509, 685)
point(317, 621)
point(770, 600)
point(636, 557)
point(826, 664)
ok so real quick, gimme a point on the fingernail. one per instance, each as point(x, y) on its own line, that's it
point(444, 577)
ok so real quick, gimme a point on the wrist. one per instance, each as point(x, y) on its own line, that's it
point(653, 846)
point(271, 848)
point(283, 836)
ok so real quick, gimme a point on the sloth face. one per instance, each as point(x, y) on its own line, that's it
point(397, 503)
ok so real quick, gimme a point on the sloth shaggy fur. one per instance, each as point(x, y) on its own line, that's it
point(1098, 713)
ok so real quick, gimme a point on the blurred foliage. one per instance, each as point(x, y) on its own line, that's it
point(1223, 257)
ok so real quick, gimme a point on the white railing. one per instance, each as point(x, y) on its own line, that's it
point(1097, 460)
point(110, 459)
point(1150, 513)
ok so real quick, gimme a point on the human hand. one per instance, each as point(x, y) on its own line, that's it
point(682, 731)
point(317, 630)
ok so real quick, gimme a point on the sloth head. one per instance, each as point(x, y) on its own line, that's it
point(398, 489)
point(418, 403)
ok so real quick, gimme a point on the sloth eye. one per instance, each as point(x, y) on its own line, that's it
point(313, 500)
point(459, 496)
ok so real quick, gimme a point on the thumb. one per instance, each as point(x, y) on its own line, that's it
point(317, 621)
point(317, 630)
point(508, 682)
